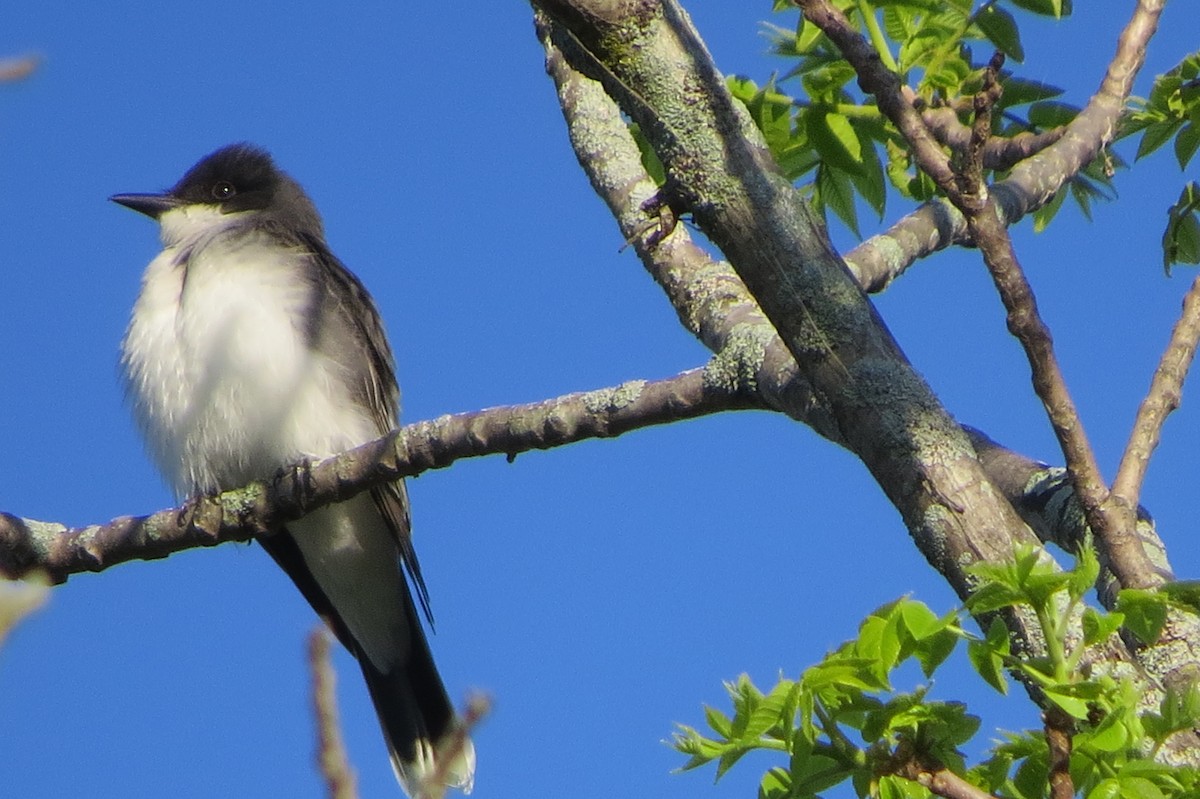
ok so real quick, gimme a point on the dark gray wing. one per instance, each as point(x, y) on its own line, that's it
point(353, 335)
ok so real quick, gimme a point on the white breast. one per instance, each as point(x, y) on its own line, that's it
point(223, 378)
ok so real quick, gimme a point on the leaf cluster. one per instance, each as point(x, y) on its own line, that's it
point(843, 721)
point(828, 134)
point(1172, 114)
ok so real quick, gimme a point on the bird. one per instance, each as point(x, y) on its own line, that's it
point(250, 348)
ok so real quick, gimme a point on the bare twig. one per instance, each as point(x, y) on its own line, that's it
point(261, 507)
point(1166, 389)
point(1001, 152)
point(331, 752)
point(18, 68)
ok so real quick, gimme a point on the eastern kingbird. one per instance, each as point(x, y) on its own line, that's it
point(251, 347)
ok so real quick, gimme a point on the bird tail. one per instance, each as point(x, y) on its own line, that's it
point(430, 751)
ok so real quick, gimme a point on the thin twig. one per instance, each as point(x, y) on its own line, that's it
point(18, 68)
point(332, 760)
point(1165, 392)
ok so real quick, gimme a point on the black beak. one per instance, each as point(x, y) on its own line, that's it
point(152, 205)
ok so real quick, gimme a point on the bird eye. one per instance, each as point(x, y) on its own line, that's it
point(223, 190)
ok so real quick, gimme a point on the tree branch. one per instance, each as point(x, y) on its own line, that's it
point(1112, 522)
point(1000, 153)
point(857, 388)
point(1033, 182)
point(714, 304)
point(260, 508)
point(332, 760)
point(1166, 389)
point(1059, 731)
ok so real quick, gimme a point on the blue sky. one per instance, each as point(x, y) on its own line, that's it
point(599, 592)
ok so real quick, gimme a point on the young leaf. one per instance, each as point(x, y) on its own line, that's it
point(932, 651)
point(776, 784)
point(1185, 593)
point(1073, 705)
point(718, 721)
point(986, 655)
point(1145, 613)
point(1083, 577)
point(1097, 626)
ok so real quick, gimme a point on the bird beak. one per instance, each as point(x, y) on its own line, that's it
point(152, 205)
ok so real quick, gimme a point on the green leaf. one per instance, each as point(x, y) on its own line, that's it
point(986, 656)
point(1099, 626)
point(728, 758)
point(1186, 144)
point(833, 138)
point(1043, 216)
point(1180, 707)
point(718, 721)
point(650, 161)
point(776, 784)
point(1051, 113)
point(1181, 238)
point(1001, 30)
point(1138, 788)
point(1184, 593)
point(1071, 704)
point(688, 741)
point(919, 620)
point(893, 787)
point(1145, 613)
point(1082, 578)
point(824, 83)
point(994, 596)
point(1018, 91)
point(816, 774)
point(834, 191)
point(845, 675)
point(870, 180)
point(1109, 736)
point(934, 650)
point(1049, 8)
point(1156, 135)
